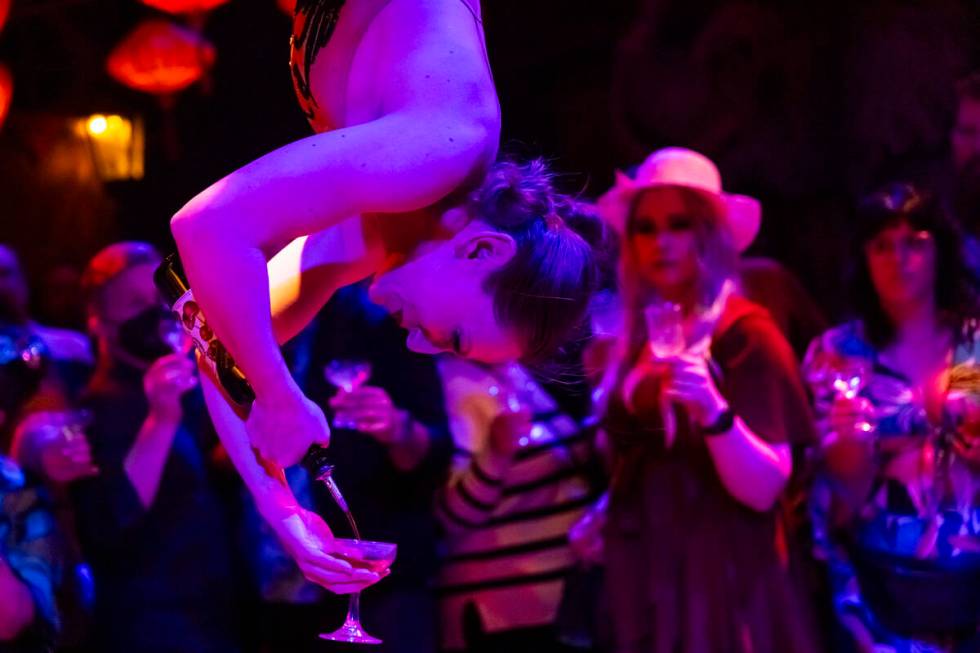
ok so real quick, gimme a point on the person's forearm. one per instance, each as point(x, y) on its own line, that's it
point(472, 494)
point(16, 604)
point(268, 486)
point(231, 283)
point(753, 471)
point(146, 459)
point(401, 162)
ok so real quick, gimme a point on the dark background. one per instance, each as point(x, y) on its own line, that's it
point(803, 104)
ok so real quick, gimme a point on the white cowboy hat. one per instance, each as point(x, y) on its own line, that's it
point(684, 168)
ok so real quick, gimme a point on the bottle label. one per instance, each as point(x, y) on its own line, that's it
point(188, 312)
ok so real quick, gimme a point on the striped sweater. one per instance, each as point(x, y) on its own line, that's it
point(507, 520)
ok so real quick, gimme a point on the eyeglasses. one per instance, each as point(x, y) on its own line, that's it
point(914, 243)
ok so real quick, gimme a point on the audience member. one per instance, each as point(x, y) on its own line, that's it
point(701, 432)
point(150, 521)
point(896, 507)
point(519, 484)
point(71, 354)
point(30, 556)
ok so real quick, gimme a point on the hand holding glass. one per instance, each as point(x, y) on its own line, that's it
point(348, 375)
point(665, 333)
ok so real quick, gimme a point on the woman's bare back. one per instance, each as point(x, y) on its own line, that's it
point(335, 51)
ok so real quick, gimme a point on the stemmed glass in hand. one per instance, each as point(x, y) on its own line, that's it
point(847, 379)
point(348, 375)
point(665, 333)
point(374, 556)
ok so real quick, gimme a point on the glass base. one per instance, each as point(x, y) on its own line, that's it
point(351, 632)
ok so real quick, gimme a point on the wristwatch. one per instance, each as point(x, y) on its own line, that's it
point(722, 424)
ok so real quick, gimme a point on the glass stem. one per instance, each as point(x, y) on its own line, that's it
point(354, 609)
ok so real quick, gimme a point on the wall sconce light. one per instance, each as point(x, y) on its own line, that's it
point(116, 144)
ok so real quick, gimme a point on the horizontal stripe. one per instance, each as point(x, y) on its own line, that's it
point(551, 479)
point(503, 552)
point(504, 535)
point(530, 452)
point(508, 581)
point(468, 497)
point(453, 516)
point(483, 476)
point(537, 513)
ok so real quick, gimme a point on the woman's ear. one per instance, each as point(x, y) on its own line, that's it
point(492, 247)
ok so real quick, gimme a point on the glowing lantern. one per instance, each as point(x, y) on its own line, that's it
point(184, 6)
point(161, 58)
point(6, 92)
point(4, 12)
point(289, 6)
point(116, 145)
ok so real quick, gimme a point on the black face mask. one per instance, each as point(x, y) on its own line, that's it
point(141, 335)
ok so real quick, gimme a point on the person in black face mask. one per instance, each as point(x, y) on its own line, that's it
point(150, 522)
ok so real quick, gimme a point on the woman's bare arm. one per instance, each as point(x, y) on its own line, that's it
point(438, 125)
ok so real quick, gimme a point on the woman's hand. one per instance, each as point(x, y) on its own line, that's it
point(283, 428)
point(687, 381)
point(310, 542)
point(507, 429)
point(369, 410)
point(851, 418)
point(165, 382)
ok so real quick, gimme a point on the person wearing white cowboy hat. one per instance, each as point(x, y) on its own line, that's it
point(683, 168)
point(763, 280)
point(701, 418)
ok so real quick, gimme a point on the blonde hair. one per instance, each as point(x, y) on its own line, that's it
point(717, 264)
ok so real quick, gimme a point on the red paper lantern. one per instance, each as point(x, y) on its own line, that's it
point(6, 92)
point(289, 6)
point(4, 12)
point(160, 57)
point(184, 6)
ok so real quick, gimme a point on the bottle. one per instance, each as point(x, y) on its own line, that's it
point(172, 283)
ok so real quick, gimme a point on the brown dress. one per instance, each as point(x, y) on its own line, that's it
point(689, 569)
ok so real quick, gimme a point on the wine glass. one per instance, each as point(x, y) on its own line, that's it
point(373, 556)
point(665, 329)
point(849, 379)
point(348, 375)
point(665, 333)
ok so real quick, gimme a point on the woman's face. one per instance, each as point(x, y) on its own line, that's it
point(662, 241)
point(902, 264)
point(439, 296)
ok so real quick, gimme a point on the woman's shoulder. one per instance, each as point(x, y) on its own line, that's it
point(743, 323)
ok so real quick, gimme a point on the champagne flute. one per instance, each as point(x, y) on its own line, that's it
point(665, 333)
point(374, 556)
point(848, 379)
point(665, 329)
point(348, 375)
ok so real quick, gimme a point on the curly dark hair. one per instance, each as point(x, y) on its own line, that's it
point(956, 288)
